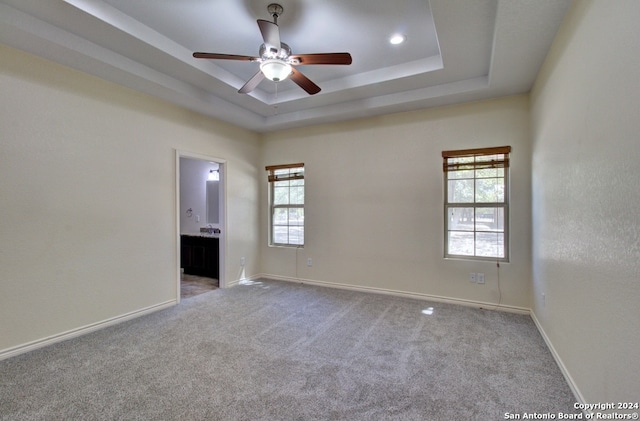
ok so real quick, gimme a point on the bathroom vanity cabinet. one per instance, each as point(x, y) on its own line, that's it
point(199, 255)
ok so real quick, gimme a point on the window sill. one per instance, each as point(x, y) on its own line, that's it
point(476, 259)
point(286, 246)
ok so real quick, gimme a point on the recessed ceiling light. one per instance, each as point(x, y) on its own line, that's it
point(397, 39)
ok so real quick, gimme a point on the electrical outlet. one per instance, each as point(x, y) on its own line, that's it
point(480, 278)
point(309, 261)
point(242, 261)
point(472, 277)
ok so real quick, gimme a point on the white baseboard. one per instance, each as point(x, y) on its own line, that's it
point(233, 283)
point(239, 281)
point(419, 296)
point(40, 343)
point(574, 387)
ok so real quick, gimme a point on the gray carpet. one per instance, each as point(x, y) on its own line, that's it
point(274, 350)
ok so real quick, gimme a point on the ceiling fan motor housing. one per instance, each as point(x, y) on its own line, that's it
point(283, 53)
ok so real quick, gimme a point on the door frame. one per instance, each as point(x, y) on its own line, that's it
point(223, 213)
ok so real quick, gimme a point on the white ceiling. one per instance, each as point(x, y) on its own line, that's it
point(456, 51)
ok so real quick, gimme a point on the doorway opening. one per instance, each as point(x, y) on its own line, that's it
point(201, 223)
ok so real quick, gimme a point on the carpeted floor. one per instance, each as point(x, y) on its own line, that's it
point(271, 350)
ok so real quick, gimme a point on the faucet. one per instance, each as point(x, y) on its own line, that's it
point(210, 229)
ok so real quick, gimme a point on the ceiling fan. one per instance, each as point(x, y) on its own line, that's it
point(276, 61)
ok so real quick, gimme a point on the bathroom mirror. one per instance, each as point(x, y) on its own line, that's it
point(213, 201)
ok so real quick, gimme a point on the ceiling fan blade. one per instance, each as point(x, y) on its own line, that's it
point(252, 83)
point(270, 33)
point(304, 82)
point(224, 56)
point(323, 58)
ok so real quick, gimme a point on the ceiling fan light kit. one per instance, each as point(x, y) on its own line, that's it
point(275, 69)
point(276, 62)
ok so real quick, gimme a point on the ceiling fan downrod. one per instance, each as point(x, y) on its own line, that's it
point(275, 10)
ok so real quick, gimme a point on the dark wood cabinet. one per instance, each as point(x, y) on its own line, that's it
point(200, 256)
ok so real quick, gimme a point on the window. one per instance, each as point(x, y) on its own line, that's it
point(476, 207)
point(286, 205)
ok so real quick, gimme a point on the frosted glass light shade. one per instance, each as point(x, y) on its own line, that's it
point(275, 70)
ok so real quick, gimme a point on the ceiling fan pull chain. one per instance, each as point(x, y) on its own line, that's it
point(275, 105)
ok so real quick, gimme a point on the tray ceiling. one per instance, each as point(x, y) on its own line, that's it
point(455, 51)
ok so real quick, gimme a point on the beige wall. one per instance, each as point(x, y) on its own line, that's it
point(88, 197)
point(374, 209)
point(586, 169)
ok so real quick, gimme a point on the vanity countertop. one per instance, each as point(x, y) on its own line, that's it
point(200, 234)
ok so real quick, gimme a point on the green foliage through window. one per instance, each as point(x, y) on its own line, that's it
point(476, 203)
point(286, 203)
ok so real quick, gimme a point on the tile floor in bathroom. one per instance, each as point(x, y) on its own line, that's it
point(191, 285)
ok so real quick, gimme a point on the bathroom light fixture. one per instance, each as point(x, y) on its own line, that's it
point(275, 69)
point(214, 175)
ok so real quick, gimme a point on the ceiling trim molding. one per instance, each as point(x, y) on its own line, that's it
point(499, 55)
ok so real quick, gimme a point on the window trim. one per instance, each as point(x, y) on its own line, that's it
point(272, 179)
point(449, 167)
